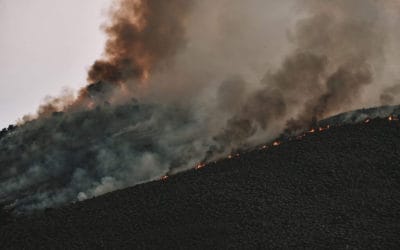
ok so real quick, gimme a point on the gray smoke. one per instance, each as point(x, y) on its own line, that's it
point(71, 156)
point(183, 82)
point(338, 46)
point(390, 95)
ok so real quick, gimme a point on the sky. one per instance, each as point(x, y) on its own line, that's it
point(45, 46)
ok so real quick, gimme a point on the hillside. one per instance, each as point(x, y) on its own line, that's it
point(338, 187)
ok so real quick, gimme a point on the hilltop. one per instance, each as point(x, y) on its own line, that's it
point(339, 187)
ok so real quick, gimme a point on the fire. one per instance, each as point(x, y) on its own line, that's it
point(323, 129)
point(276, 143)
point(200, 165)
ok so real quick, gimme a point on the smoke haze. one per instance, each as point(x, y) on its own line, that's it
point(183, 82)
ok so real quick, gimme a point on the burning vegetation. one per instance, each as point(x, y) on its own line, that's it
point(164, 97)
point(344, 181)
point(390, 118)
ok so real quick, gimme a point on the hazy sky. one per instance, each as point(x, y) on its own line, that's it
point(45, 45)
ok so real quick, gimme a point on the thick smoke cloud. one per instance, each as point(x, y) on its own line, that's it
point(141, 35)
point(337, 46)
point(182, 82)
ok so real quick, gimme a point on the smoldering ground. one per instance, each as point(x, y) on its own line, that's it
point(181, 82)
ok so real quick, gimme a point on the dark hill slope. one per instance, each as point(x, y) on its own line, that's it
point(338, 188)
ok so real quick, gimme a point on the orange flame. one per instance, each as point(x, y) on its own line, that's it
point(323, 129)
point(277, 143)
point(200, 165)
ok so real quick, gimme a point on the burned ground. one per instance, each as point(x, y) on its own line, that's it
point(338, 188)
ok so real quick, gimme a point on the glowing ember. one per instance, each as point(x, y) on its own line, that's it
point(312, 130)
point(393, 118)
point(230, 156)
point(367, 120)
point(323, 129)
point(276, 143)
point(264, 147)
point(164, 178)
point(200, 165)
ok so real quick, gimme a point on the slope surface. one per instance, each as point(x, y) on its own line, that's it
point(338, 188)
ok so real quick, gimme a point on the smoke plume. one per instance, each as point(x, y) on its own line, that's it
point(141, 35)
point(390, 94)
point(183, 82)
